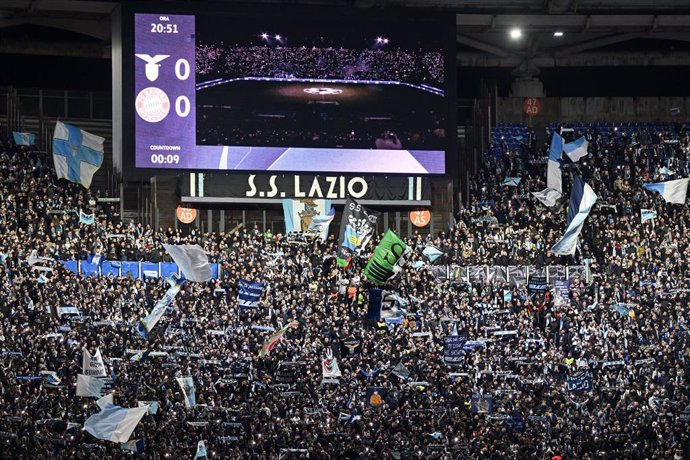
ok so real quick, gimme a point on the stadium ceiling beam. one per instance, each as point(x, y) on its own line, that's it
point(59, 6)
point(91, 27)
point(677, 36)
point(472, 23)
point(596, 43)
point(605, 58)
point(486, 47)
point(62, 49)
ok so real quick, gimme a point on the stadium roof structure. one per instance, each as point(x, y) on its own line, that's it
point(552, 32)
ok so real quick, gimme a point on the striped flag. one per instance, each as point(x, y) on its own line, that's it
point(249, 294)
point(576, 149)
point(554, 179)
point(149, 322)
point(582, 199)
point(275, 338)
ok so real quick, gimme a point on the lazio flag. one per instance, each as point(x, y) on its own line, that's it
point(352, 238)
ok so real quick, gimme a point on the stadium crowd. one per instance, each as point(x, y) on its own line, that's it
point(421, 131)
point(625, 325)
point(316, 62)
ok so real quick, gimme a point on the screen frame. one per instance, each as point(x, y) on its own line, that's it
point(123, 74)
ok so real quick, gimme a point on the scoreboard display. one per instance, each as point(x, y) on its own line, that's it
point(277, 91)
point(165, 93)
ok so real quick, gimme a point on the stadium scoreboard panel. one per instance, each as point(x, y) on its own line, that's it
point(283, 90)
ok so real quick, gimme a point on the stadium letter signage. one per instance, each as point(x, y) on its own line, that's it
point(332, 187)
point(252, 187)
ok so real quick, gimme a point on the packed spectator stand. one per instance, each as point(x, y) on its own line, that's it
point(625, 325)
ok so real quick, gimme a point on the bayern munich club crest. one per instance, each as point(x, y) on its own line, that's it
point(152, 104)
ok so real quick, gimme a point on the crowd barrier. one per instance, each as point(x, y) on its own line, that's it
point(137, 270)
point(515, 275)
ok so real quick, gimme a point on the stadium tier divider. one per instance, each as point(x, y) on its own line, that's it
point(138, 270)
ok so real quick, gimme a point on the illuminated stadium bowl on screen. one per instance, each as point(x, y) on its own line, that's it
point(218, 92)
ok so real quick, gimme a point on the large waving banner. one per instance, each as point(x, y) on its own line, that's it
point(356, 229)
point(147, 324)
point(388, 259)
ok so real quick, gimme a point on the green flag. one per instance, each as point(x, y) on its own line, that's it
point(389, 257)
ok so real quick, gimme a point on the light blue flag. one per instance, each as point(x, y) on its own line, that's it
point(149, 322)
point(95, 259)
point(582, 198)
point(299, 214)
point(200, 450)
point(548, 196)
point(249, 294)
point(320, 224)
point(188, 389)
point(576, 149)
point(512, 181)
point(647, 214)
point(86, 219)
point(77, 154)
point(432, 253)
point(114, 423)
point(24, 138)
point(554, 178)
point(136, 445)
point(673, 191)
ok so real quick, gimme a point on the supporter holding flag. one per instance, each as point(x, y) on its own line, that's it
point(114, 423)
point(576, 149)
point(388, 259)
point(673, 191)
point(554, 180)
point(77, 154)
point(582, 199)
point(273, 340)
point(192, 260)
point(24, 138)
point(356, 229)
point(249, 294)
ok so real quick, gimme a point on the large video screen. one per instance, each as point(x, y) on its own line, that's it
point(300, 94)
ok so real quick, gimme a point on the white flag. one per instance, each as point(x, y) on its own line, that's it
point(114, 423)
point(192, 261)
point(106, 401)
point(548, 196)
point(93, 365)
